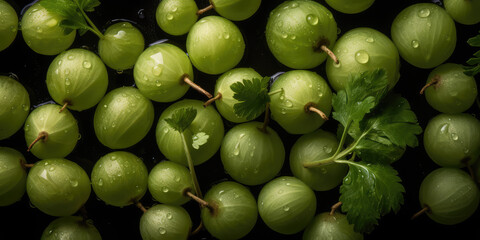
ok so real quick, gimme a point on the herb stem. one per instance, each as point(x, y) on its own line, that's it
point(191, 166)
point(344, 137)
point(266, 120)
point(275, 92)
point(93, 28)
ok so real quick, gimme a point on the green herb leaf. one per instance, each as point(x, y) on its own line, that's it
point(182, 118)
point(361, 94)
point(370, 191)
point(199, 139)
point(474, 62)
point(387, 131)
point(252, 96)
point(88, 5)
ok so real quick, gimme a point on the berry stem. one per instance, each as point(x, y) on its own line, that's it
point(419, 213)
point(187, 80)
point(311, 107)
point(191, 166)
point(65, 105)
point(335, 207)
point(329, 53)
point(41, 136)
point(266, 120)
point(198, 229)
point(140, 206)
point(434, 81)
point(206, 9)
point(202, 202)
point(28, 165)
point(211, 100)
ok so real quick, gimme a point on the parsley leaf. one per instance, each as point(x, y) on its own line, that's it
point(387, 131)
point(252, 96)
point(72, 11)
point(368, 192)
point(474, 62)
point(182, 118)
point(199, 139)
point(361, 94)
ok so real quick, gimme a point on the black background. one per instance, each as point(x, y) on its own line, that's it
point(22, 221)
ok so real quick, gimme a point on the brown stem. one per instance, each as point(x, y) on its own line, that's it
point(202, 11)
point(200, 201)
point(434, 81)
point(211, 100)
point(28, 165)
point(311, 107)
point(187, 80)
point(65, 104)
point(335, 207)
point(41, 136)
point(424, 210)
point(140, 206)
point(266, 120)
point(198, 229)
point(329, 53)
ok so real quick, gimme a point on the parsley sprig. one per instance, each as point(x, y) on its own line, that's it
point(380, 126)
point(474, 62)
point(73, 12)
point(252, 96)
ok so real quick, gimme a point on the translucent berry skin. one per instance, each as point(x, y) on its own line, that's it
point(14, 106)
point(453, 140)
point(61, 127)
point(57, 186)
point(235, 211)
point(251, 156)
point(71, 227)
point(350, 6)
point(159, 72)
point(120, 178)
point(313, 147)
point(121, 46)
point(42, 32)
point(450, 195)
point(282, 209)
point(176, 17)
point(463, 11)
point(79, 77)
point(296, 30)
point(424, 34)
point(225, 104)
point(335, 226)
point(300, 87)
point(123, 118)
point(166, 222)
point(208, 120)
point(168, 183)
point(454, 91)
point(215, 45)
point(359, 50)
point(236, 10)
point(8, 26)
point(13, 176)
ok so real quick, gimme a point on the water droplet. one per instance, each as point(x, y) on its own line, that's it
point(466, 150)
point(362, 57)
point(25, 107)
point(79, 136)
point(39, 30)
point(174, 9)
point(66, 71)
point(236, 150)
point(226, 35)
point(323, 170)
point(71, 57)
point(288, 103)
point(169, 216)
point(453, 93)
point(339, 30)
point(286, 208)
point(423, 13)
point(74, 183)
point(370, 40)
point(50, 232)
point(52, 168)
point(59, 62)
point(284, 35)
point(158, 83)
point(165, 189)
point(293, 37)
point(113, 157)
point(177, 179)
point(87, 64)
point(444, 128)
point(221, 192)
point(165, 130)
point(280, 191)
point(415, 44)
point(157, 70)
point(283, 111)
point(162, 230)
point(454, 136)
point(105, 106)
point(52, 22)
point(312, 19)
point(347, 180)
point(169, 16)
point(288, 184)
point(294, 5)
